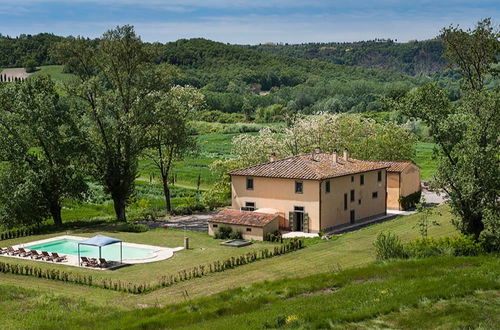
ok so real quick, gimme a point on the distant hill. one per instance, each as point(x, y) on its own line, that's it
point(16, 51)
point(241, 79)
point(215, 62)
point(413, 58)
point(231, 76)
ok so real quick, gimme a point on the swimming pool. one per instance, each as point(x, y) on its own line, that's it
point(110, 252)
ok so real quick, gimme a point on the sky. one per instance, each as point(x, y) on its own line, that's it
point(247, 21)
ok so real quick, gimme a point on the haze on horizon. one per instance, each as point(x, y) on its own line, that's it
point(246, 21)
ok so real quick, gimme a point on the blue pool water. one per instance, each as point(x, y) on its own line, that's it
point(110, 252)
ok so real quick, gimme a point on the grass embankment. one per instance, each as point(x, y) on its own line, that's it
point(424, 159)
point(430, 293)
point(348, 250)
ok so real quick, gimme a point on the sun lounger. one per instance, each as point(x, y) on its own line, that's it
point(24, 253)
point(35, 255)
point(103, 263)
point(89, 262)
point(57, 258)
point(3, 251)
point(11, 251)
point(46, 256)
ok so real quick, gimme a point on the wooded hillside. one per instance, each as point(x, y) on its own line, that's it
point(413, 57)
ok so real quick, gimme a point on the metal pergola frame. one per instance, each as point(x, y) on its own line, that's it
point(110, 240)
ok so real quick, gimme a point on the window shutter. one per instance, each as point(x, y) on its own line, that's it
point(291, 219)
point(306, 222)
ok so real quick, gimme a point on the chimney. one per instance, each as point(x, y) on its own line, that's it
point(346, 154)
point(317, 150)
point(273, 157)
point(335, 157)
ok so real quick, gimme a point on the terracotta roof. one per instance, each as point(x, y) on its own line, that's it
point(316, 166)
point(396, 166)
point(246, 218)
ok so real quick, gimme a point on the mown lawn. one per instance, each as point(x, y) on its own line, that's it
point(203, 250)
point(447, 292)
point(349, 250)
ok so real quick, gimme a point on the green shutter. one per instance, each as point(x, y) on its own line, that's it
point(291, 220)
point(306, 223)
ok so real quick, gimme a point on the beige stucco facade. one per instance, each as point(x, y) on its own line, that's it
point(278, 194)
point(248, 232)
point(324, 209)
point(400, 184)
point(366, 204)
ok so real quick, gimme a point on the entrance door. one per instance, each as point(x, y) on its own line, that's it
point(353, 216)
point(299, 218)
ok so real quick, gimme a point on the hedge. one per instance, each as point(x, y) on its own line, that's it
point(410, 201)
point(20, 232)
point(162, 282)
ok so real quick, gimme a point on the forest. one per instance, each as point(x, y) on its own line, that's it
point(237, 79)
point(414, 57)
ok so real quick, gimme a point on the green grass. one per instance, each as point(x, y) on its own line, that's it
point(55, 71)
point(445, 292)
point(203, 250)
point(349, 250)
point(211, 148)
point(425, 160)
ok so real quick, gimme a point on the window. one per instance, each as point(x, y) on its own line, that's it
point(215, 225)
point(327, 186)
point(345, 201)
point(299, 189)
point(249, 229)
point(352, 179)
point(352, 196)
point(359, 201)
point(249, 183)
point(298, 208)
point(379, 176)
point(361, 179)
point(375, 194)
point(249, 206)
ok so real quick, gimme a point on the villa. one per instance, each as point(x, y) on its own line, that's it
point(315, 192)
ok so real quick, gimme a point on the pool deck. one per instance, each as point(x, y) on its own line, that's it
point(159, 254)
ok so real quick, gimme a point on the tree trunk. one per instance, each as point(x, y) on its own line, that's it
point(119, 204)
point(166, 192)
point(55, 211)
point(475, 226)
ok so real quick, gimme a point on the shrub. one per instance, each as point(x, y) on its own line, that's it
point(236, 235)
point(410, 201)
point(273, 237)
point(490, 242)
point(389, 246)
point(460, 245)
point(133, 228)
point(223, 233)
